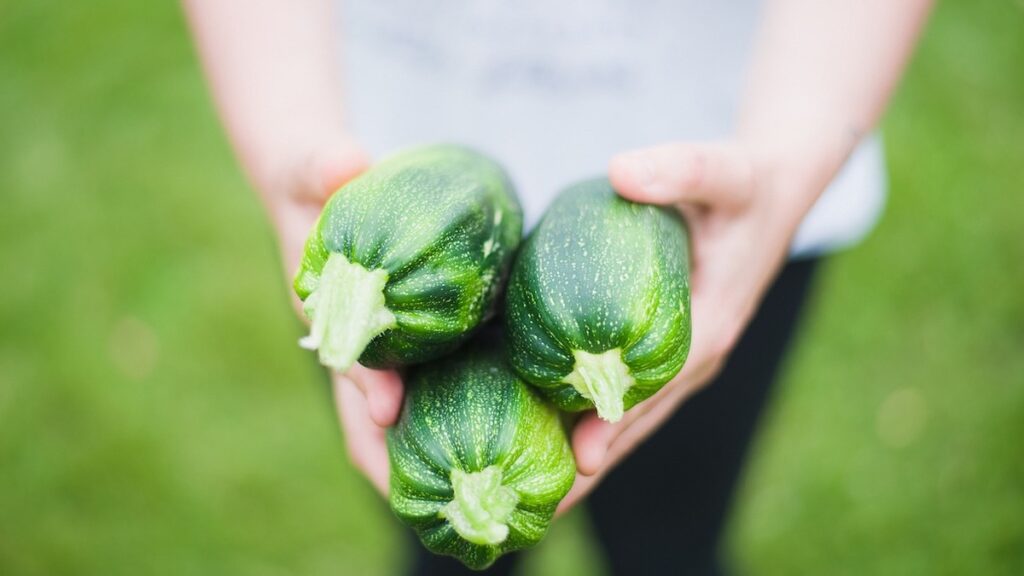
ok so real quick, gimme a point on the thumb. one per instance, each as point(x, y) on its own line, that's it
point(710, 174)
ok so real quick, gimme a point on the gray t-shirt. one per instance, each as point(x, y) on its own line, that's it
point(554, 89)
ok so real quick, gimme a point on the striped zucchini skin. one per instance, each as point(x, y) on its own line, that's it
point(600, 273)
point(467, 413)
point(443, 222)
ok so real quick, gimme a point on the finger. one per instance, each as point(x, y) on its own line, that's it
point(383, 392)
point(580, 488)
point(598, 445)
point(365, 441)
point(337, 167)
point(593, 438)
point(328, 169)
point(314, 180)
point(590, 440)
point(712, 174)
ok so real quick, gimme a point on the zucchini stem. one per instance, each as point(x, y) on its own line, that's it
point(603, 379)
point(481, 506)
point(346, 311)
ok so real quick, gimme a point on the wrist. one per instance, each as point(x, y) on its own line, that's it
point(792, 176)
point(784, 190)
point(802, 162)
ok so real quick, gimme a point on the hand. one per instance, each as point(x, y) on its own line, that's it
point(368, 402)
point(741, 212)
point(295, 191)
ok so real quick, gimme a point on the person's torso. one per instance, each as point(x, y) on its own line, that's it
point(554, 89)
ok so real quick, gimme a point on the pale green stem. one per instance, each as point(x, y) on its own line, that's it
point(346, 311)
point(481, 506)
point(603, 379)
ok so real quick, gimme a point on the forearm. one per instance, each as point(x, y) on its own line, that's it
point(820, 79)
point(274, 71)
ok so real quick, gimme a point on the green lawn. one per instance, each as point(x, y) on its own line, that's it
point(157, 417)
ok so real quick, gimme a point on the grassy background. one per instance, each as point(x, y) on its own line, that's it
point(156, 416)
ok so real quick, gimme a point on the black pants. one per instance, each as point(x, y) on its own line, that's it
point(661, 511)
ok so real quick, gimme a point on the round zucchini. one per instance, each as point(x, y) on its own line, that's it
point(408, 258)
point(479, 461)
point(598, 304)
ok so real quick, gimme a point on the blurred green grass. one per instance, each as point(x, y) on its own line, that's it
point(156, 416)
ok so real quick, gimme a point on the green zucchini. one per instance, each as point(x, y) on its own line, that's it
point(598, 304)
point(408, 258)
point(479, 461)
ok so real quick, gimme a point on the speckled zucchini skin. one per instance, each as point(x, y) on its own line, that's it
point(443, 221)
point(600, 273)
point(469, 411)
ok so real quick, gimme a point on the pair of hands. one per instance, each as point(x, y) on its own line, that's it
point(741, 213)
